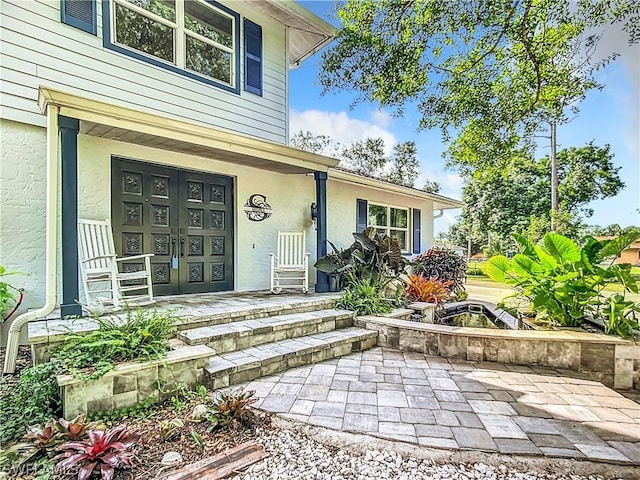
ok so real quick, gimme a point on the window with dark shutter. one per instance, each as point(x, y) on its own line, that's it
point(80, 14)
point(252, 57)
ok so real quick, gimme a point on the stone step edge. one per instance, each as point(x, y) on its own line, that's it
point(45, 334)
point(287, 322)
point(362, 339)
point(195, 321)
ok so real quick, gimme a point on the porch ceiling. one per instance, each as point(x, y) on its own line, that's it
point(127, 125)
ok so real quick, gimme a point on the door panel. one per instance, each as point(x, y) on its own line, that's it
point(206, 226)
point(185, 219)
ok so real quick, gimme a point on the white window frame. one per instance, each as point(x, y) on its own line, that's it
point(179, 37)
point(388, 227)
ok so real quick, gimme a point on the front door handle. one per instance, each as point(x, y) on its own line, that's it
point(173, 247)
point(182, 246)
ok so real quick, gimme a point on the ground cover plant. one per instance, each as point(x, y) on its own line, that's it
point(564, 282)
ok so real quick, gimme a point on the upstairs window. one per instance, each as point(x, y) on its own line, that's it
point(195, 37)
point(392, 221)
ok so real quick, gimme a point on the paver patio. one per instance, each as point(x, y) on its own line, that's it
point(454, 404)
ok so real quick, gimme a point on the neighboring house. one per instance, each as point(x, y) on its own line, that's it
point(630, 255)
point(171, 119)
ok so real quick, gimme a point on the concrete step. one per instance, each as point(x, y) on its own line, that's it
point(230, 337)
point(254, 362)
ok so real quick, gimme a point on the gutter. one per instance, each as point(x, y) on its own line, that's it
point(51, 252)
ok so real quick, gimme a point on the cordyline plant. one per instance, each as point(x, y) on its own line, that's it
point(564, 282)
point(103, 451)
point(419, 288)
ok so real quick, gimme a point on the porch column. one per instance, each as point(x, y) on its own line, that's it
point(322, 281)
point(69, 158)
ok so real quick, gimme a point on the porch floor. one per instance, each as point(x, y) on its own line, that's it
point(459, 405)
point(187, 308)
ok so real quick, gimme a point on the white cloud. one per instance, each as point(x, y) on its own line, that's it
point(381, 118)
point(443, 223)
point(339, 127)
point(450, 182)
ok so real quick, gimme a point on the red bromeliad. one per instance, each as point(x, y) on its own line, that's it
point(105, 450)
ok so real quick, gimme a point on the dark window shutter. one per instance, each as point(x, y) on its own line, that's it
point(362, 214)
point(252, 57)
point(416, 230)
point(80, 14)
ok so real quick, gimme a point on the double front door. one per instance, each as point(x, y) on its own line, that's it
point(184, 218)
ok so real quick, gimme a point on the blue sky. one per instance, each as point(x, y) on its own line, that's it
point(608, 116)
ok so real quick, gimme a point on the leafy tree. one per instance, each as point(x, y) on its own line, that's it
point(507, 63)
point(431, 186)
point(404, 165)
point(503, 201)
point(368, 157)
point(312, 143)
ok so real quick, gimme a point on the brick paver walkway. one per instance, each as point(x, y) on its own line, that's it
point(456, 404)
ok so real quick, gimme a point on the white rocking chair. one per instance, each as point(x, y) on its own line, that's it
point(100, 272)
point(290, 266)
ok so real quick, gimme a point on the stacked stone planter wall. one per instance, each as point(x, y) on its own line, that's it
point(613, 361)
point(132, 382)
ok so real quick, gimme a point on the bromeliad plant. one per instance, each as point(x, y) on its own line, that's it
point(564, 282)
point(103, 451)
point(231, 407)
point(419, 288)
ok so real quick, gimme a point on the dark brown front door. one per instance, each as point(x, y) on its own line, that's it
point(184, 218)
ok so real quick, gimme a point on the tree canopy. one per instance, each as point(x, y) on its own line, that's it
point(501, 65)
point(500, 202)
point(368, 157)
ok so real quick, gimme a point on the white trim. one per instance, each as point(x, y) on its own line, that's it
point(408, 229)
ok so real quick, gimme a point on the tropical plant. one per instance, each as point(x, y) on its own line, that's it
point(103, 451)
point(561, 280)
point(33, 399)
point(365, 297)
point(6, 292)
point(620, 316)
point(444, 265)
point(373, 256)
point(169, 428)
point(140, 335)
point(231, 407)
point(420, 288)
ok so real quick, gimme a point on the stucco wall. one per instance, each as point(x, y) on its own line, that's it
point(22, 216)
point(341, 211)
point(630, 255)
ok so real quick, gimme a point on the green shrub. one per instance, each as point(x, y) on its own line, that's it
point(563, 281)
point(475, 271)
point(365, 297)
point(444, 265)
point(33, 399)
point(141, 335)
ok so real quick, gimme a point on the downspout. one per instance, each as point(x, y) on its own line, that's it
point(51, 252)
point(438, 215)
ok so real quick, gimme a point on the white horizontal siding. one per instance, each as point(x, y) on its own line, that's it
point(38, 49)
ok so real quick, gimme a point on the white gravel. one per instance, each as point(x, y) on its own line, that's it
point(294, 456)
